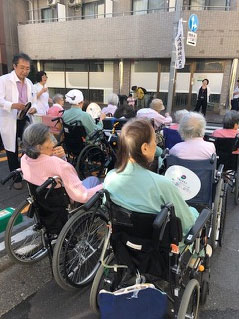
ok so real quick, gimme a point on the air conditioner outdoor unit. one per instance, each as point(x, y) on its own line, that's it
point(74, 3)
point(52, 3)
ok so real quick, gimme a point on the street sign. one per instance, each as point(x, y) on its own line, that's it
point(193, 22)
point(192, 38)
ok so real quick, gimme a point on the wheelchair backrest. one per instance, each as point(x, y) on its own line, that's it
point(136, 238)
point(74, 137)
point(108, 123)
point(224, 149)
point(52, 211)
point(205, 170)
point(171, 137)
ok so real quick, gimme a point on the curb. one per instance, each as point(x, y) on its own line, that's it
point(5, 263)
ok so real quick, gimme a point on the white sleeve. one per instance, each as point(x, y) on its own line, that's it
point(6, 105)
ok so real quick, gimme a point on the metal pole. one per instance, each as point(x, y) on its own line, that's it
point(177, 16)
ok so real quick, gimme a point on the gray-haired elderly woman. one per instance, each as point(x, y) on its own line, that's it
point(178, 115)
point(230, 125)
point(113, 101)
point(57, 107)
point(42, 160)
point(192, 128)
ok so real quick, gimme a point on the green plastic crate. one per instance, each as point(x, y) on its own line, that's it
point(5, 215)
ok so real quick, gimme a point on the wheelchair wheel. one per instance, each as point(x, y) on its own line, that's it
point(78, 249)
point(190, 301)
point(236, 189)
point(102, 280)
point(217, 211)
point(223, 215)
point(90, 162)
point(27, 244)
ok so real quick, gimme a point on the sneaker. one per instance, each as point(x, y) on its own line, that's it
point(18, 186)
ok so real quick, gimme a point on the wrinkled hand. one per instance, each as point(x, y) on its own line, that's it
point(32, 110)
point(59, 151)
point(18, 106)
point(102, 116)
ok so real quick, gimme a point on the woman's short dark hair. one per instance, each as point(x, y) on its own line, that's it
point(206, 80)
point(134, 134)
point(230, 119)
point(34, 135)
point(39, 76)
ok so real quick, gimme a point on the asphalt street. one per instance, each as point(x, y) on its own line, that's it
point(29, 292)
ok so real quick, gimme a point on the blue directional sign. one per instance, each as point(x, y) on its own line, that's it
point(193, 22)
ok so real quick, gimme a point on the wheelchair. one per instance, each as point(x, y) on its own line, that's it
point(99, 154)
point(212, 195)
point(171, 137)
point(225, 148)
point(53, 226)
point(40, 223)
point(146, 247)
point(72, 138)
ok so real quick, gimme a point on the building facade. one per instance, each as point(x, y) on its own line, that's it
point(110, 45)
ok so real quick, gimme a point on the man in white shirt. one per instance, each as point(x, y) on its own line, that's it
point(15, 91)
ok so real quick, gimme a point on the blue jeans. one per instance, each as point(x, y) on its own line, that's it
point(91, 182)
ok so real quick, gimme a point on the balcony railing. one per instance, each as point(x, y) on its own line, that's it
point(38, 13)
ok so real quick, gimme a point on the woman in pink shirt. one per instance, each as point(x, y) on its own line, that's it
point(57, 107)
point(192, 129)
point(230, 125)
point(42, 160)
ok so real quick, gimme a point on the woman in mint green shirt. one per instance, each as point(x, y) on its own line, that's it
point(133, 186)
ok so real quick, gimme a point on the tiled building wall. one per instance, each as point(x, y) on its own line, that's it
point(145, 36)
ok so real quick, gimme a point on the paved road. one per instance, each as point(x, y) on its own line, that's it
point(29, 292)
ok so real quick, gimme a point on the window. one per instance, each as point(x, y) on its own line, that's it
point(165, 66)
point(156, 4)
point(140, 6)
point(97, 96)
point(97, 66)
point(54, 66)
point(197, 4)
point(89, 10)
point(47, 15)
point(76, 66)
point(92, 9)
point(217, 4)
point(146, 66)
point(210, 66)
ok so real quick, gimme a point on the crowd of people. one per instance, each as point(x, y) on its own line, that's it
point(137, 144)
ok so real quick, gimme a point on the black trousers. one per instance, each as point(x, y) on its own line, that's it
point(12, 157)
point(235, 104)
point(201, 104)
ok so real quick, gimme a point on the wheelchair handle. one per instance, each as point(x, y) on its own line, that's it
point(91, 202)
point(12, 174)
point(59, 119)
point(49, 181)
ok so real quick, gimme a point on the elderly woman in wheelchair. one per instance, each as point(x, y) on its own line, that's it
point(149, 238)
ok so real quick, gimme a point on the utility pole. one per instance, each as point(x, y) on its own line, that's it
point(177, 16)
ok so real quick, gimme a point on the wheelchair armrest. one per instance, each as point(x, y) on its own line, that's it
point(162, 216)
point(91, 202)
point(199, 224)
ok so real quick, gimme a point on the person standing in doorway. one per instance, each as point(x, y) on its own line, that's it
point(15, 91)
point(203, 97)
point(235, 98)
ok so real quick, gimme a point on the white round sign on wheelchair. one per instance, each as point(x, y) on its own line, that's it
point(187, 182)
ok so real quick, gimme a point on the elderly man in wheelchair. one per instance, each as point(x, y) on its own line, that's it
point(153, 237)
